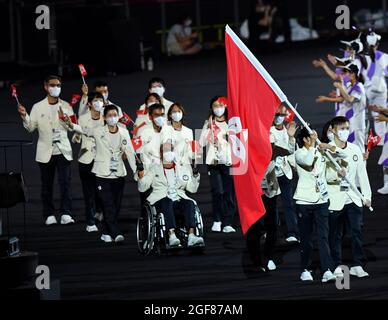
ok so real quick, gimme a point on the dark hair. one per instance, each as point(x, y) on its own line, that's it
point(100, 83)
point(325, 129)
point(52, 77)
point(154, 107)
point(109, 108)
point(155, 95)
point(303, 133)
point(169, 113)
point(95, 95)
point(338, 121)
point(211, 113)
point(154, 80)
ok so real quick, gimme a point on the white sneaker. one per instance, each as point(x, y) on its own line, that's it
point(328, 276)
point(194, 240)
point(271, 265)
point(306, 276)
point(359, 272)
point(291, 239)
point(119, 238)
point(338, 272)
point(173, 241)
point(383, 190)
point(51, 220)
point(66, 219)
point(228, 229)
point(106, 238)
point(99, 216)
point(92, 228)
point(216, 227)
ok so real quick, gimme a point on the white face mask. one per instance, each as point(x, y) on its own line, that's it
point(105, 95)
point(177, 116)
point(330, 136)
point(279, 120)
point(343, 135)
point(159, 121)
point(168, 156)
point(219, 112)
point(158, 90)
point(188, 23)
point(54, 91)
point(98, 105)
point(112, 121)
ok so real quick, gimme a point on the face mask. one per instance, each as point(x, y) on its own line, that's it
point(279, 120)
point(188, 23)
point(177, 116)
point(98, 105)
point(54, 91)
point(168, 156)
point(158, 90)
point(330, 136)
point(343, 135)
point(219, 112)
point(105, 95)
point(159, 121)
point(112, 121)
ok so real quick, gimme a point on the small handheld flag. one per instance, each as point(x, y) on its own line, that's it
point(372, 140)
point(137, 143)
point(14, 93)
point(74, 99)
point(83, 72)
point(126, 120)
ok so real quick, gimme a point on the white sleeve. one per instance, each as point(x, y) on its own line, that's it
point(30, 122)
point(305, 157)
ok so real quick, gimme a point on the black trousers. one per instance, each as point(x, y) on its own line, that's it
point(169, 208)
point(47, 173)
point(267, 224)
point(89, 190)
point(110, 192)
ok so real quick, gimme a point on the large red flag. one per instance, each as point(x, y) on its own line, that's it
point(253, 98)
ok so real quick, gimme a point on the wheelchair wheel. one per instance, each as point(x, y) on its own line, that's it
point(145, 231)
point(198, 222)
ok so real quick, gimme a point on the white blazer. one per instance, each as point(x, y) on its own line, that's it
point(181, 142)
point(356, 170)
point(281, 139)
point(41, 118)
point(145, 118)
point(155, 177)
point(102, 161)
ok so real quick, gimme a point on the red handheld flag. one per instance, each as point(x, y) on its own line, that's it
point(194, 144)
point(14, 91)
point(74, 99)
point(125, 119)
point(82, 70)
point(74, 119)
point(253, 99)
point(373, 140)
point(137, 143)
point(290, 116)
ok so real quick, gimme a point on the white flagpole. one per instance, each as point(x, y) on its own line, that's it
point(271, 82)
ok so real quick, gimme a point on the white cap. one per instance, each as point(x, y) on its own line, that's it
point(372, 38)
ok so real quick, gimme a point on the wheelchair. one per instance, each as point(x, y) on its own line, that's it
point(152, 235)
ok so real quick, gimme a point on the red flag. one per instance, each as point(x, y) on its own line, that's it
point(82, 70)
point(125, 119)
point(137, 143)
point(74, 119)
point(14, 91)
point(290, 116)
point(253, 99)
point(373, 140)
point(74, 99)
point(194, 144)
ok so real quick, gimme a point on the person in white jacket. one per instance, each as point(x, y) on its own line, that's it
point(112, 142)
point(87, 153)
point(54, 119)
point(312, 206)
point(169, 182)
point(345, 205)
point(142, 118)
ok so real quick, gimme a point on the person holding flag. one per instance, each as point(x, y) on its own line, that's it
point(142, 118)
point(54, 119)
point(214, 137)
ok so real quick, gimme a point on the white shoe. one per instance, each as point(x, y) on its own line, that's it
point(338, 272)
point(194, 240)
point(383, 190)
point(328, 276)
point(291, 239)
point(99, 216)
point(228, 229)
point(271, 265)
point(306, 276)
point(92, 228)
point(51, 220)
point(106, 238)
point(216, 227)
point(119, 238)
point(66, 219)
point(173, 241)
point(359, 272)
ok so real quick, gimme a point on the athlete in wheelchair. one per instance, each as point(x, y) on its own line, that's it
point(170, 219)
